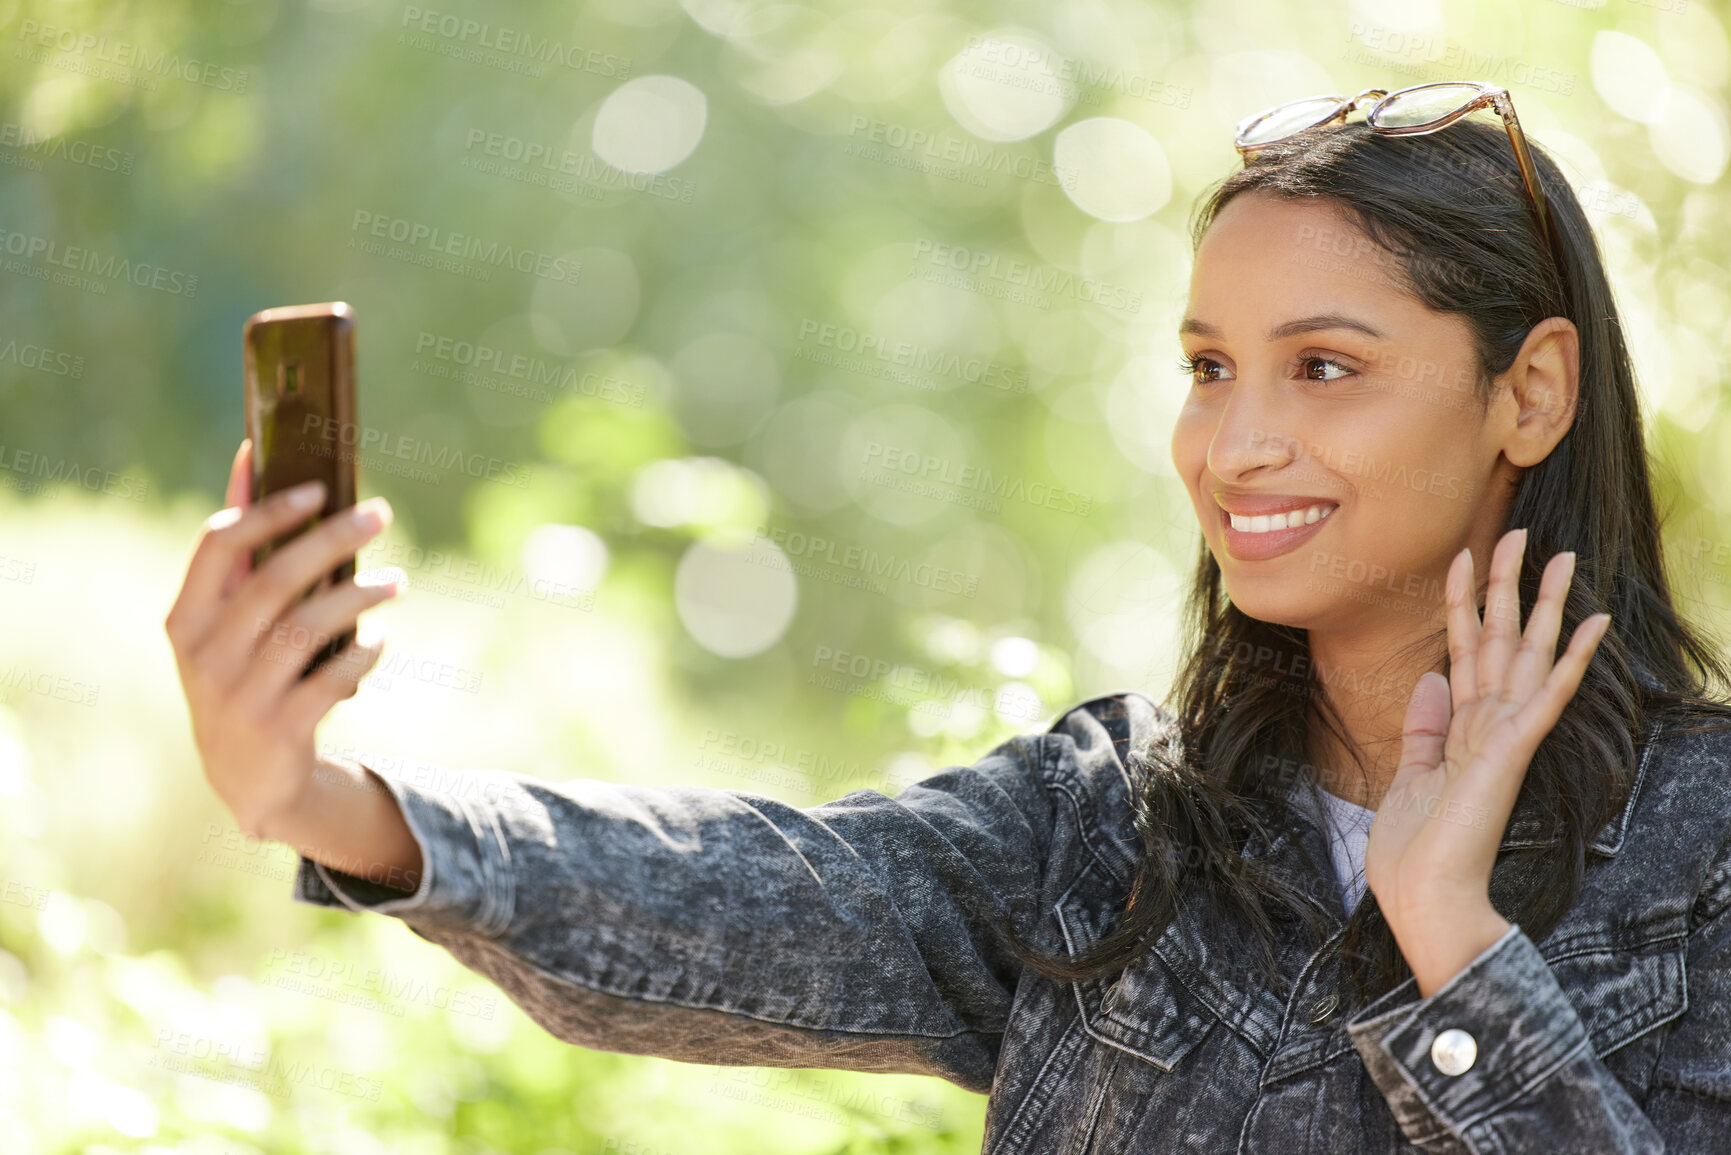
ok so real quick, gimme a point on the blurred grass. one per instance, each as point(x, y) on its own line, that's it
point(164, 935)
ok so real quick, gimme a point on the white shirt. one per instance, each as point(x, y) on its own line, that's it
point(1348, 828)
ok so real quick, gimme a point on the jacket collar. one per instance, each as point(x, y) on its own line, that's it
point(1294, 853)
point(1527, 826)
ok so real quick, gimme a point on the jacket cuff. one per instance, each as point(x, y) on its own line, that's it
point(466, 881)
point(1520, 1019)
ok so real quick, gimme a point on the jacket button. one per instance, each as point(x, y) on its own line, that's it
point(1453, 1051)
point(1323, 1008)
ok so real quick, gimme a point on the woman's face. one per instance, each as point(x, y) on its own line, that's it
point(1326, 396)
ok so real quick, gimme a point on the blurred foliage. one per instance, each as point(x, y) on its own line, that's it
point(643, 508)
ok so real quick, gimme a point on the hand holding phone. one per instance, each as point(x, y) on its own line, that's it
point(269, 593)
point(242, 637)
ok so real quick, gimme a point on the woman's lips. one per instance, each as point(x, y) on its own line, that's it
point(1246, 546)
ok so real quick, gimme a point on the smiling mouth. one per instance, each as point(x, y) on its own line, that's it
point(1271, 523)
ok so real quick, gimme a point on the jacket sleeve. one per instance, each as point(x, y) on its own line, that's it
point(1535, 1083)
point(722, 926)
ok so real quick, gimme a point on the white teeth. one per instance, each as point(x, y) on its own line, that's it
point(1263, 522)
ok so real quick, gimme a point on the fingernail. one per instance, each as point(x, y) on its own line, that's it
point(307, 494)
point(368, 633)
point(371, 513)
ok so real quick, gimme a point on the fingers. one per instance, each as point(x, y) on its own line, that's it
point(288, 573)
point(1427, 723)
point(239, 497)
point(334, 680)
point(1502, 623)
point(1546, 706)
point(1532, 662)
point(1463, 630)
point(229, 536)
point(240, 476)
point(287, 646)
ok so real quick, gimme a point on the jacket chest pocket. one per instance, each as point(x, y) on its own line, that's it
point(1143, 1009)
point(1623, 995)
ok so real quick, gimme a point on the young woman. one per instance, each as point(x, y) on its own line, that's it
point(1388, 873)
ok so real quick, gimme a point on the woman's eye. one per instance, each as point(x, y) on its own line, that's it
point(1325, 375)
point(1199, 367)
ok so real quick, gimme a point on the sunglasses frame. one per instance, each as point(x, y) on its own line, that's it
point(1488, 96)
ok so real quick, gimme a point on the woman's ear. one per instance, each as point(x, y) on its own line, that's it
point(1543, 384)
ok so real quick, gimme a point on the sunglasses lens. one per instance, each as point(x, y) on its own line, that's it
point(1283, 122)
point(1423, 105)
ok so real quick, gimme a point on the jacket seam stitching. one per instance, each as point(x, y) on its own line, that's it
point(1015, 1119)
point(1599, 946)
point(1627, 815)
point(593, 987)
point(1072, 791)
point(1111, 865)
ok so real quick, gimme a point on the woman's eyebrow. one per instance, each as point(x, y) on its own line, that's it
point(1287, 329)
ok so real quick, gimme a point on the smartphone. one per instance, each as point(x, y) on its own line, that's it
point(300, 414)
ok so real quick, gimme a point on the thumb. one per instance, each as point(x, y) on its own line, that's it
point(1427, 723)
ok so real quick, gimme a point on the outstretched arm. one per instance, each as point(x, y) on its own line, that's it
point(722, 926)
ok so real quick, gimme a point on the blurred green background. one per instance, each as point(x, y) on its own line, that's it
point(770, 396)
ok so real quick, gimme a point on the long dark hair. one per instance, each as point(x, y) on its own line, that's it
point(1449, 219)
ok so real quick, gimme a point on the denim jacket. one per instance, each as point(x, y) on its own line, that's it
point(726, 927)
